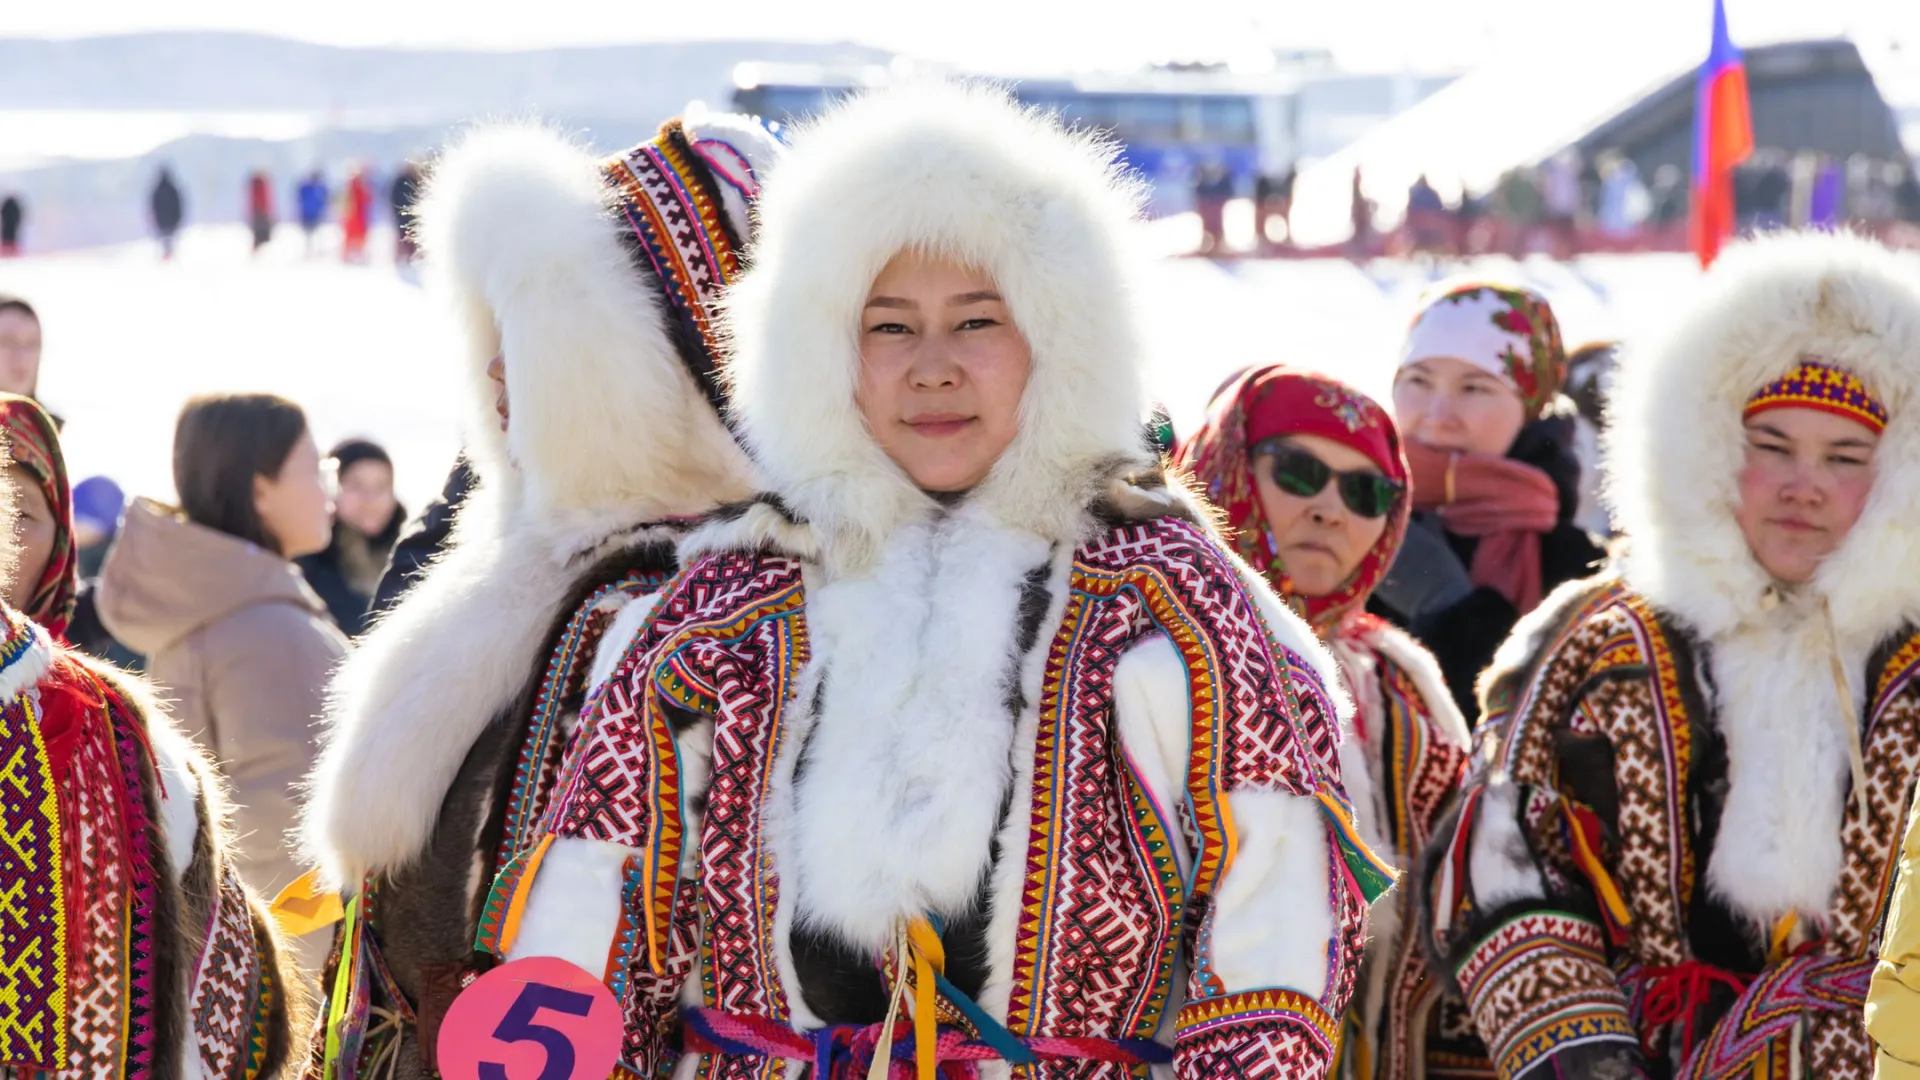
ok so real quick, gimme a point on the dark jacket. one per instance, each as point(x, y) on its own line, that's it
point(347, 573)
point(422, 540)
point(168, 208)
point(1464, 635)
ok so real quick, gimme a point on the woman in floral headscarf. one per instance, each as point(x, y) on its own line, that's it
point(1311, 478)
point(47, 576)
point(1495, 479)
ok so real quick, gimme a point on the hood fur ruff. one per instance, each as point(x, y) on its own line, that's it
point(609, 432)
point(961, 172)
point(1674, 451)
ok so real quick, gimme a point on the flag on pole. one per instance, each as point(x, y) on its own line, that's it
point(1722, 138)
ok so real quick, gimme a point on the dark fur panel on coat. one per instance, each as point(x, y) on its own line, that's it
point(428, 912)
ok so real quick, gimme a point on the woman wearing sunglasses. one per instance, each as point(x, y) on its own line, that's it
point(1495, 479)
point(1311, 478)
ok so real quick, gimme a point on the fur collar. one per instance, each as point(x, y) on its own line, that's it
point(1674, 451)
point(963, 172)
point(611, 441)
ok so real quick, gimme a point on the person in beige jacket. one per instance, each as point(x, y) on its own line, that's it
point(232, 633)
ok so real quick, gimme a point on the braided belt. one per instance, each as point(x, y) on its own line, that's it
point(848, 1050)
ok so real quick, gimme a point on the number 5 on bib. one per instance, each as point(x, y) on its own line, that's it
point(534, 1019)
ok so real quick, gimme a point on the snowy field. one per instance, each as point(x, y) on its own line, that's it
point(365, 348)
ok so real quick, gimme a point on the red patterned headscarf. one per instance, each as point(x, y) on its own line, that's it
point(1267, 402)
point(35, 447)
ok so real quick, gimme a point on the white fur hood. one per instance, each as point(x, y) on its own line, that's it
point(611, 432)
point(963, 172)
point(1675, 444)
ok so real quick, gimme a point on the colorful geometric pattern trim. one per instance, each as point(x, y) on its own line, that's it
point(1761, 1023)
point(34, 963)
point(1096, 947)
point(1256, 1035)
point(677, 218)
point(1617, 673)
point(540, 752)
point(226, 985)
point(1818, 385)
point(1540, 984)
point(145, 984)
point(1417, 771)
point(1256, 725)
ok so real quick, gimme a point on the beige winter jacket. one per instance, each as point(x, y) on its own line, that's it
point(244, 648)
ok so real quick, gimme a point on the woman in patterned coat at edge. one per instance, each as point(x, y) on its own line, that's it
point(1311, 479)
point(588, 290)
point(1677, 846)
point(969, 698)
point(132, 947)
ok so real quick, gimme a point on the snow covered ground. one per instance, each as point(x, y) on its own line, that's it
point(364, 348)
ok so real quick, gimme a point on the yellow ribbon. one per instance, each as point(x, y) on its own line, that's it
point(303, 907)
point(929, 958)
point(915, 945)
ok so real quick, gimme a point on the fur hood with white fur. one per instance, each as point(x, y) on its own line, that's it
point(1674, 445)
point(611, 433)
point(1674, 451)
point(960, 172)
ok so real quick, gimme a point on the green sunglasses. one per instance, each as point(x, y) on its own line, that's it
point(1299, 472)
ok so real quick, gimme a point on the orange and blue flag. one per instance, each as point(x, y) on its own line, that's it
point(1722, 138)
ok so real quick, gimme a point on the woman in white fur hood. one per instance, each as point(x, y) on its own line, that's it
point(969, 694)
point(1680, 841)
point(589, 289)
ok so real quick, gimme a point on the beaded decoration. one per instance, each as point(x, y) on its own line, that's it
point(1816, 385)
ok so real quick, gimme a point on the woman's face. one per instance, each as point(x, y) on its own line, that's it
point(294, 503)
point(1320, 539)
point(19, 352)
point(33, 535)
point(366, 501)
point(1450, 404)
point(942, 369)
point(1807, 477)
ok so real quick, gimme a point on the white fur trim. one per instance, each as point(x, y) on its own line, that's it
point(1779, 847)
point(905, 766)
point(1410, 656)
point(1009, 879)
point(962, 172)
point(618, 636)
point(518, 225)
point(573, 909)
point(1360, 763)
point(179, 796)
point(1272, 925)
point(1501, 866)
point(1271, 922)
point(29, 667)
point(1153, 710)
point(608, 431)
point(1674, 451)
point(1674, 445)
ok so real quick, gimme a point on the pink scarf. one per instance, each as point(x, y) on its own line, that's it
point(1503, 503)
